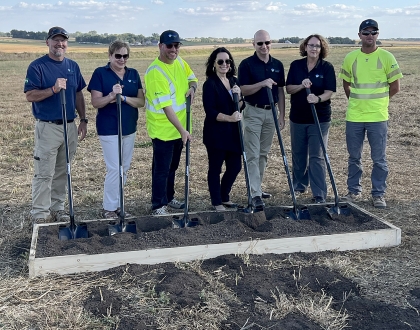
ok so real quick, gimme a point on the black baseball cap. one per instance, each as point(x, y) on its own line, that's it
point(368, 23)
point(169, 36)
point(55, 31)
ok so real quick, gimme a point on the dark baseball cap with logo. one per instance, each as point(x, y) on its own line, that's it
point(368, 23)
point(168, 37)
point(56, 31)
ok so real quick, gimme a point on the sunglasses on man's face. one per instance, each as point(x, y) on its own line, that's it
point(260, 43)
point(220, 62)
point(366, 33)
point(177, 45)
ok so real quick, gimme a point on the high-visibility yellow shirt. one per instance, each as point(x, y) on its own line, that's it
point(369, 76)
point(166, 85)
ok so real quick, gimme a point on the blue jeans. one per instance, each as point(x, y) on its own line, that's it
point(377, 137)
point(166, 157)
point(309, 167)
point(219, 191)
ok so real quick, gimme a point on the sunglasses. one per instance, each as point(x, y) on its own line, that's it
point(366, 33)
point(58, 31)
point(220, 62)
point(118, 56)
point(177, 45)
point(260, 43)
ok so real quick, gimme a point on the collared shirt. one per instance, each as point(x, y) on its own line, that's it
point(42, 74)
point(253, 70)
point(103, 79)
point(322, 77)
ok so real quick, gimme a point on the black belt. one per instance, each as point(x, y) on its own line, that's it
point(57, 122)
point(262, 106)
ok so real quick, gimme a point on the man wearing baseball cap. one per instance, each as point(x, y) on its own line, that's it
point(371, 76)
point(45, 78)
point(169, 81)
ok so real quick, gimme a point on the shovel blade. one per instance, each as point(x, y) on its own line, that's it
point(67, 233)
point(178, 223)
point(244, 209)
point(130, 227)
point(192, 222)
point(335, 210)
point(114, 228)
point(299, 213)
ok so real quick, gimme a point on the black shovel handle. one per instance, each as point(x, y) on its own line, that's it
point(241, 139)
point(121, 215)
point(68, 168)
point(324, 150)
point(187, 161)
point(283, 151)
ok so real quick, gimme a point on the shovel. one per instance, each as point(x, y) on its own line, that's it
point(72, 231)
point(250, 208)
point(122, 225)
point(185, 221)
point(336, 209)
point(296, 213)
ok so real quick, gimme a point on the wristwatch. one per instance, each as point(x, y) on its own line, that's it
point(84, 120)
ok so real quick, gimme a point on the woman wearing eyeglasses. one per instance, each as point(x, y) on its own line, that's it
point(309, 168)
point(108, 81)
point(220, 132)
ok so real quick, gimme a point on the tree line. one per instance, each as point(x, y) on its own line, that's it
point(331, 40)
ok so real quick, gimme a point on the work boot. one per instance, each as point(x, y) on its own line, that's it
point(176, 204)
point(105, 214)
point(318, 200)
point(350, 197)
point(60, 216)
point(257, 202)
point(126, 214)
point(265, 195)
point(161, 211)
point(40, 220)
point(379, 202)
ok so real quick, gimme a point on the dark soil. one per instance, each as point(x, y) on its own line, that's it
point(157, 232)
point(253, 286)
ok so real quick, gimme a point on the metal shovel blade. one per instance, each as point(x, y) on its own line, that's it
point(192, 222)
point(335, 210)
point(244, 209)
point(125, 227)
point(178, 223)
point(301, 213)
point(67, 233)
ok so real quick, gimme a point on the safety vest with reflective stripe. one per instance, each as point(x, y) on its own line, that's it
point(369, 76)
point(166, 85)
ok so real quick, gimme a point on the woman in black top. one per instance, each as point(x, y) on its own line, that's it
point(220, 132)
point(317, 74)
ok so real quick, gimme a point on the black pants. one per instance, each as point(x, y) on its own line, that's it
point(166, 156)
point(219, 191)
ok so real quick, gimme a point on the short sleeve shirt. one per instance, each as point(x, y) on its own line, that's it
point(42, 74)
point(103, 79)
point(253, 70)
point(323, 78)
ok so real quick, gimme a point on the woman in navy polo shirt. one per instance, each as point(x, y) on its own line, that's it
point(312, 72)
point(108, 81)
point(221, 129)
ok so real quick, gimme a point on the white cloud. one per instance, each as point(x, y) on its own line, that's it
point(158, 2)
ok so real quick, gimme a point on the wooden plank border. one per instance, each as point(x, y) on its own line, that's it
point(98, 262)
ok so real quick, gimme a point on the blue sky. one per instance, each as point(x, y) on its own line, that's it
point(214, 18)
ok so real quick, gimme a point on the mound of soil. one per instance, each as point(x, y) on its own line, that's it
point(213, 228)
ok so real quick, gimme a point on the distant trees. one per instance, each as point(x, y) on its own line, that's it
point(28, 34)
point(340, 41)
point(293, 40)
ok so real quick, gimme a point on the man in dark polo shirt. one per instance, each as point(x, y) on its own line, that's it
point(45, 78)
point(255, 73)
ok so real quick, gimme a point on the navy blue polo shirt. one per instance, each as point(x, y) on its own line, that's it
point(42, 74)
point(103, 79)
point(322, 77)
point(253, 70)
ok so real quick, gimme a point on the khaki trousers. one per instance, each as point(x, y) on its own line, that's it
point(259, 128)
point(50, 177)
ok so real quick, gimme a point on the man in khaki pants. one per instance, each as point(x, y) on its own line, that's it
point(45, 78)
point(255, 73)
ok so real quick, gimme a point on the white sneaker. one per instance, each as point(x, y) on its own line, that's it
point(161, 211)
point(176, 204)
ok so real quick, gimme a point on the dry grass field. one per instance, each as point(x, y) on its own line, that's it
point(390, 276)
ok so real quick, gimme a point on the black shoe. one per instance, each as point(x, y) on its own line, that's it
point(318, 200)
point(257, 202)
point(266, 195)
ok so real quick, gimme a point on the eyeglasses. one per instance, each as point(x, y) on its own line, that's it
point(366, 33)
point(260, 43)
point(220, 62)
point(118, 56)
point(313, 46)
point(177, 45)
